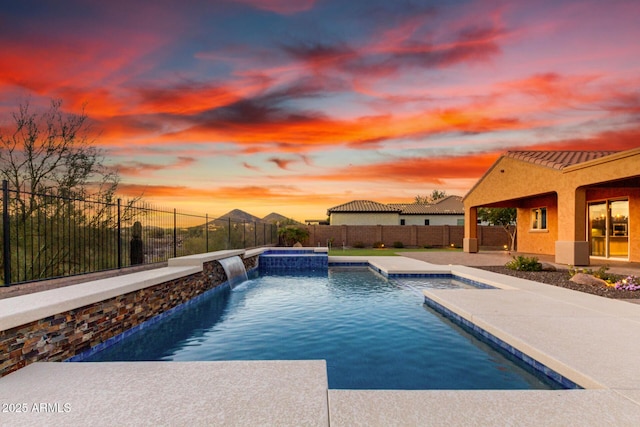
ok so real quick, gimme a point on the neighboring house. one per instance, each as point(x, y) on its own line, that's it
point(446, 211)
point(364, 212)
point(571, 204)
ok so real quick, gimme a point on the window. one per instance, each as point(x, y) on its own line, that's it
point(402, 222)
point(426, 222)
point(539, 219)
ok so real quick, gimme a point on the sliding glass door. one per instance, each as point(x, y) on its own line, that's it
point(609, 228)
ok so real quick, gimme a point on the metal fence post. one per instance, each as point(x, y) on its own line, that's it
point(6, 237)
point(206, 232)
point(229, 235)
point(175, 235)
point(119, 236)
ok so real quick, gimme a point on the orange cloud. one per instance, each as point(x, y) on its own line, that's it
point(422, 170)
point(132, 169)
point(559, 91)
point(250, 167)
point(273, 193)
point(308, 132)
point(614, 140)
point(281, 163)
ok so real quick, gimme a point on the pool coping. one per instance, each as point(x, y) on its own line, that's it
point(520, 312)
point(22, 309)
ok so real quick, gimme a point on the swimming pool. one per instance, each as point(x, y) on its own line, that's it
point(374, 333)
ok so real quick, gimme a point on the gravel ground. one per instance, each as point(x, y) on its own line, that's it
point(561, 278)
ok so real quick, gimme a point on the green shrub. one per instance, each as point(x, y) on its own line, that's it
point(291, 234)
point(398, 245)
point(378, 245)
point(523, 263)
point(358, 245)
point(601, 273)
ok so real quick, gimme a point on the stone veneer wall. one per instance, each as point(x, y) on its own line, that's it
point(63, 335)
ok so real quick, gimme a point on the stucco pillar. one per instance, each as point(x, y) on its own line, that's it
point(470, 241)
point(572, 248)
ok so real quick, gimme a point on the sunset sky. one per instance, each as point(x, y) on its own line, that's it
point(298, 106)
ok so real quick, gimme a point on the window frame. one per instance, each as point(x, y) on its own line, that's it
point(539, 219)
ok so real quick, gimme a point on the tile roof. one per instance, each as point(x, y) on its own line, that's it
point(451, 205)
point(363, 206)
point(557, 159)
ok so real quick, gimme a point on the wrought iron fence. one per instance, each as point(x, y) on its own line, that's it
point(47, 236)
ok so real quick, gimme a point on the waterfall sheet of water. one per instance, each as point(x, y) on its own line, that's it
point(234, 268)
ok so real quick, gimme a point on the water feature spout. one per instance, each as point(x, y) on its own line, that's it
point(235, 271)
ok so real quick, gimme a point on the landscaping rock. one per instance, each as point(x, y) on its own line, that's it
point(547, 267)
point(561, 278)
point(587, 279)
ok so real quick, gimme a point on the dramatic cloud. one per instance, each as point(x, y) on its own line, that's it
point(420, 171)
point(281, 163)
point(144, 169)
point(284, 7)
point(251, 167)
point(303, 105)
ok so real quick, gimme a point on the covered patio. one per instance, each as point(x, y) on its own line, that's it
point(574, 205)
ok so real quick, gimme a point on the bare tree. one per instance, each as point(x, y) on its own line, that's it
point(52, 152)
point(53, 167)
point(435, 195)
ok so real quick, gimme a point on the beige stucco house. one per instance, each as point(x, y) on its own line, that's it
point(576, 205)
point(446, 211)
point(363, 212)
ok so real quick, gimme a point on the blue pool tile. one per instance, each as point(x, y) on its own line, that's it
point(152, 321)
point(287, 261)
point(481, 333)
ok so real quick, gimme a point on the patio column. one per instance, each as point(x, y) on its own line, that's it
point(470, 241)
point(572, 248)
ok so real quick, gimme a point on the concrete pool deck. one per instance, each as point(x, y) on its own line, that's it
point(592, 340)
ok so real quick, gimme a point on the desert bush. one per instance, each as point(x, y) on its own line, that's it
point(600, 273)
point(291, 234)
point(523, 263)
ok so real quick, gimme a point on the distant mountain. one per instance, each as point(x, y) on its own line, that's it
point(239, 215)
point(276, 217)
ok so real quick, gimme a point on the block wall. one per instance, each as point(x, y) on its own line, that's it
point(409, 235)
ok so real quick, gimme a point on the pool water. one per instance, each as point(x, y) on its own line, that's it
point(374, 333)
